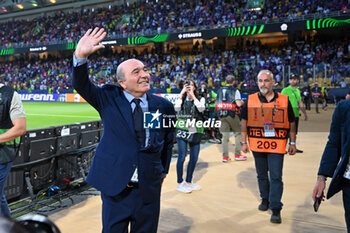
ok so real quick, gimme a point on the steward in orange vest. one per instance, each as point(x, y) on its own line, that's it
point(268, 120)
point(261, 117)
point(267, 123)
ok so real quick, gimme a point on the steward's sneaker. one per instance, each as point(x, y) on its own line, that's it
point(299, 151)
point(212, 140)
point(226, 159)
point(218, 141)
point(264, 205)
point(240, 157)
point(193, 186)
point(276, 216)
point(183, 188)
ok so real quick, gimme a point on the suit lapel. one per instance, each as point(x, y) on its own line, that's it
point(125, 109)
point(152, 107)
point(152, 103)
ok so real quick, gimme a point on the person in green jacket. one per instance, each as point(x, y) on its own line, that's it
point(295, 99)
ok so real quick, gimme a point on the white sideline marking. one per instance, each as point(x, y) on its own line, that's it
point(34, 114)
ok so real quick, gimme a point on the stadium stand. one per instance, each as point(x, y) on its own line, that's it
point(154, 17)
point(312, 55)
point(169, 70)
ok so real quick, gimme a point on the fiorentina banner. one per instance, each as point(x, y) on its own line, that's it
point(40, 97)
point(53, 97)
point(75, 97)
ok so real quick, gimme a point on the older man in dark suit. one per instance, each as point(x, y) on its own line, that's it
point(130, 161)
point(335, 159)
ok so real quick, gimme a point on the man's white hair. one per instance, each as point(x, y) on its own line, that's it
point(268, 72)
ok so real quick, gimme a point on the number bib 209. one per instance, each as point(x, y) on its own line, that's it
point(267, 145)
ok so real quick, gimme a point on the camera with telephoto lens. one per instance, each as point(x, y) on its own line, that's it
point(203, 92)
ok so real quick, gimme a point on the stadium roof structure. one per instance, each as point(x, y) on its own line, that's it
point(9, 6)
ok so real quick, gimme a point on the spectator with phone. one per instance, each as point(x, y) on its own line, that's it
point(335, 159)
point(189, 106)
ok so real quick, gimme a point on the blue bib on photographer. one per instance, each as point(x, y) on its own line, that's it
point(7, 149)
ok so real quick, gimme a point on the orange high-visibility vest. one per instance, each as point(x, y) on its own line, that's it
point(255, 124)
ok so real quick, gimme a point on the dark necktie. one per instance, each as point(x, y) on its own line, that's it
point(138, 122)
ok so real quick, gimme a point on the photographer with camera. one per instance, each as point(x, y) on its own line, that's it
point(228, 102)
point(203, 93)
point(188, 108)
point(209, 113)
point(12, 125)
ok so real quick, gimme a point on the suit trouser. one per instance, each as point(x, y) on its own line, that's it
point(269, 170)
point(346, 202)
point(227, 124)
point(128, 208)
point(317, 101)
point(307, 102)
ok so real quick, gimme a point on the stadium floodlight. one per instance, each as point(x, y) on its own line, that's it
point(284, 27)
point(20, 6)
point(53, 1)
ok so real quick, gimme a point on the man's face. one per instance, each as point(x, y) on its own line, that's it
point(137, 79)
point(265, 83)
point(293, 82)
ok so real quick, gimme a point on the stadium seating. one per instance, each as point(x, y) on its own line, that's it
point(153, 16)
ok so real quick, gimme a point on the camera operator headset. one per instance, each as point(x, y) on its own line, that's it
point(190, 109)
point(228, 101)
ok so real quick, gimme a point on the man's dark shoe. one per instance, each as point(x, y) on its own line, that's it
point(264, 205)
point(276, 216)
point(299, 151)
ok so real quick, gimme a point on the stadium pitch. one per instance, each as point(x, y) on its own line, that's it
point(46, 114)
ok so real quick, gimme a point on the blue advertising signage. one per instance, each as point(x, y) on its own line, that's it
point(39, 97)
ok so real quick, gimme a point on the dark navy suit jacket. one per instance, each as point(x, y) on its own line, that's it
point(119, 153)
point(336, 154)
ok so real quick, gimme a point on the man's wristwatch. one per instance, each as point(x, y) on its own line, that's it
point(242, 143)
point(322, 177)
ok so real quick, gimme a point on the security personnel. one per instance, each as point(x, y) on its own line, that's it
point(268, 118)
point(293, 93)
point(228, 101)
point(12, 125)
point(324, 92)
point(317, 95)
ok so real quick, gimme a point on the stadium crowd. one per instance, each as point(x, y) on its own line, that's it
point(153, 16)
point(207, 65)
